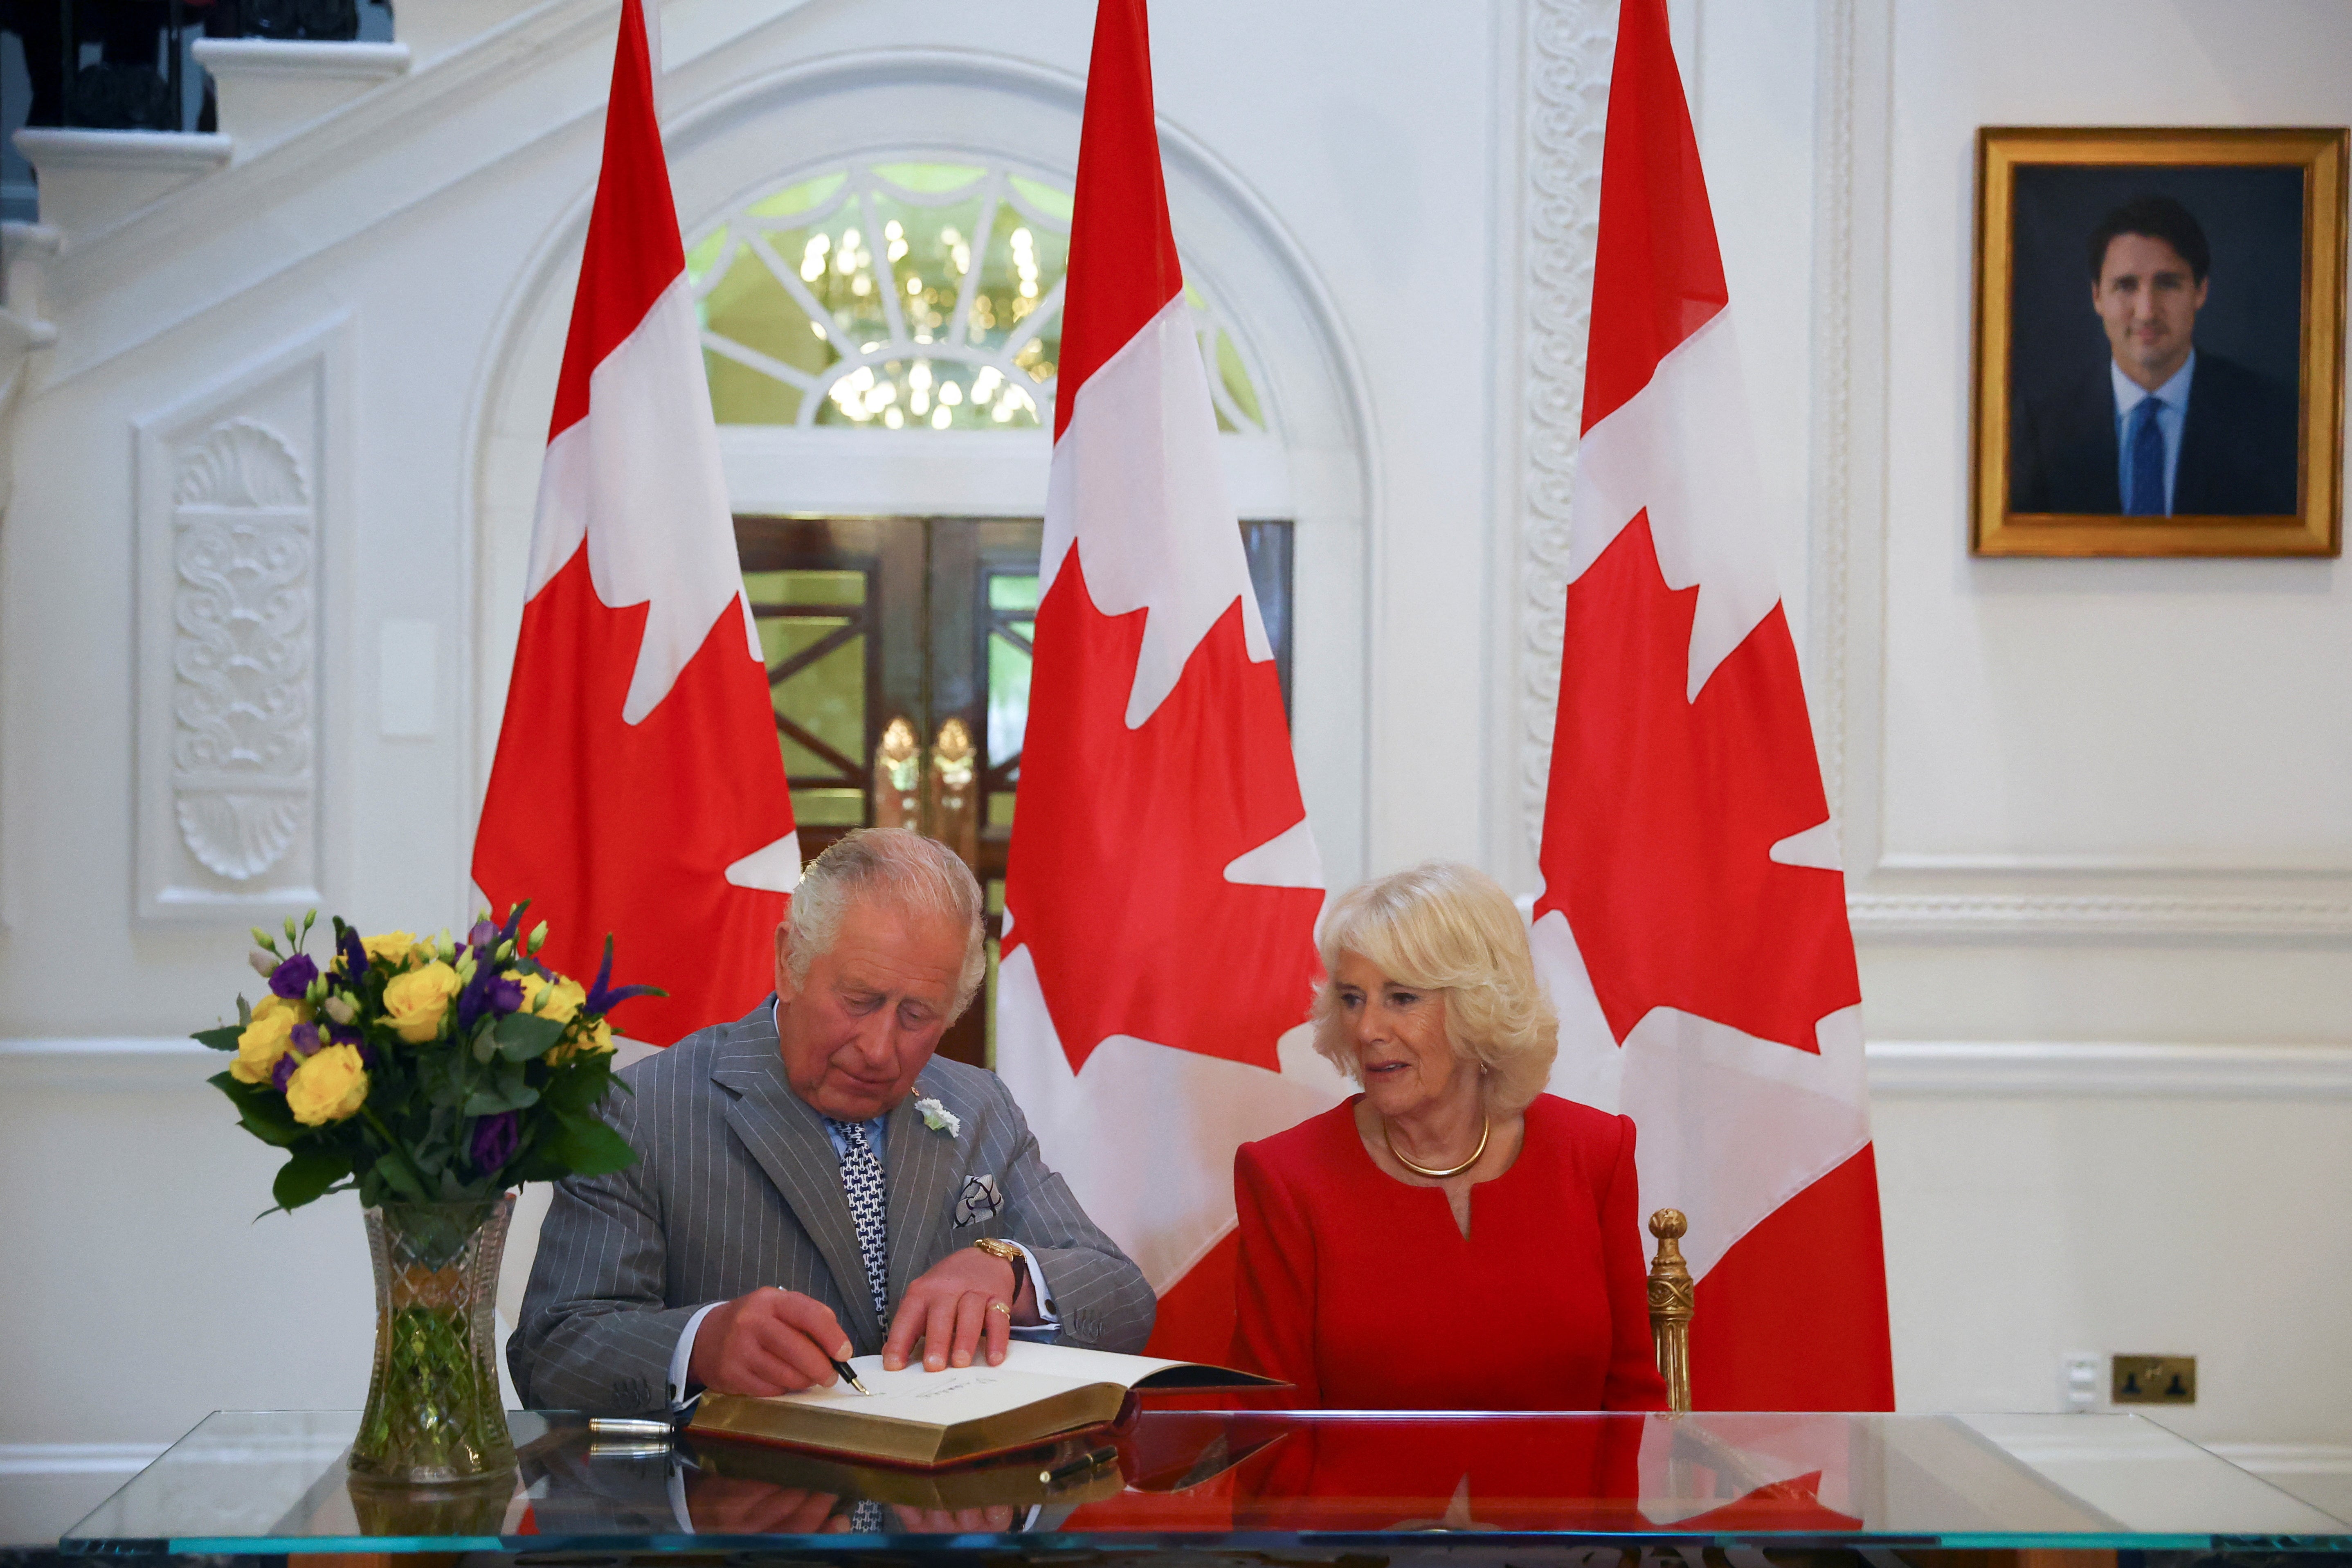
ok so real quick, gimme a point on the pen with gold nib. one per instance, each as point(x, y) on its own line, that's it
point(847, 1376)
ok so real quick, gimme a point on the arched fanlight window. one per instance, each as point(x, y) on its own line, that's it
point(904, 296)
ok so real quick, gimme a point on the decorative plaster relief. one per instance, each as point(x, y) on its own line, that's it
point(230, 616)
point(1570, 44)
point(242, 695)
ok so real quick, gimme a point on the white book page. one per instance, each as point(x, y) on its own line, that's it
point(1030, 1372)
point(1080, 1365)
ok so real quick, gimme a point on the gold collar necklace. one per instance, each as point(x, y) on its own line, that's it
point(1389, 1137)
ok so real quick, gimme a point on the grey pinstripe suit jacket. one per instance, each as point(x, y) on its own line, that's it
point(737, 1186)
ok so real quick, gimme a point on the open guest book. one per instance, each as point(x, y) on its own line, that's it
point(916, 1417)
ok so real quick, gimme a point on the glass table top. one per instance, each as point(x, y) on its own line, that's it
point(274, 1481)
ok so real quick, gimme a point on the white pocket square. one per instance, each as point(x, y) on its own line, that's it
point(979, 1200)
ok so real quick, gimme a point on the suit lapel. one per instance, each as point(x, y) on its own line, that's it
point(787, 1137)
point(924, 1170)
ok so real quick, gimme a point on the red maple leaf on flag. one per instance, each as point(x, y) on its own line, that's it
point(1124, 906)
point(1673, 894)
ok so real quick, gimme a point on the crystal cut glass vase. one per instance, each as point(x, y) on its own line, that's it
point(434, 1412)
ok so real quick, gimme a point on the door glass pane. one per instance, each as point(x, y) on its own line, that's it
point(825, 695)
point(1009, 640)
point(781, 588)
point(829, 807)
point(1008, 592)
point(812, 627)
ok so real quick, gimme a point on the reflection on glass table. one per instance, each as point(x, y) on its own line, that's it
point(274, 1482)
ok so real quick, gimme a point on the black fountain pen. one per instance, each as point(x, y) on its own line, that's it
point(847, 1376)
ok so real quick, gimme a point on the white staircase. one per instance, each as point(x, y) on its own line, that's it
point(269, 88)
point(269, 92)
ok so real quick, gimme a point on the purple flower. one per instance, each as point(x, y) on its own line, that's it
point(306, 1039)
point(495, 1137)
point(367, 1052)
point(293, 977)
point(353, 952)
point(282, 1072)
point(483, 937)
point(487, 991)
point(603, 995)
point(346, 1035)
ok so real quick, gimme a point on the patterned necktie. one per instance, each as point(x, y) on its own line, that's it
point(861, 1178)
point(2146, 497)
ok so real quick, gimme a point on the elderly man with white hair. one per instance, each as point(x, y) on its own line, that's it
point(812, 1182)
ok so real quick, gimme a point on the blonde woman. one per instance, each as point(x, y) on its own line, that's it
point(1451, 1238)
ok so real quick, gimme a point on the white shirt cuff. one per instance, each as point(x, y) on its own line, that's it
point(680, 1357)
point(1047, 1317)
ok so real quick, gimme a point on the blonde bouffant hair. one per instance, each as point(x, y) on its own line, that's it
point(1451, 929)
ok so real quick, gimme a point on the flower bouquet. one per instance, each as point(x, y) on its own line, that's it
point(431, 1076)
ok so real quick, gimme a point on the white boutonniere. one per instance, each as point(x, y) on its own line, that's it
point(940, 1119)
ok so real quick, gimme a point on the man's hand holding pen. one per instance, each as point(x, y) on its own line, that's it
point(769, 1341)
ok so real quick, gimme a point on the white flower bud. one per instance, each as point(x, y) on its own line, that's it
point(338, 1007)
point(263, 963)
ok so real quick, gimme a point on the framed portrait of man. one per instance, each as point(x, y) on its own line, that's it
point(2159, 342)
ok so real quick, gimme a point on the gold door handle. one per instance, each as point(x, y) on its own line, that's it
point(953, 788)
point(899, 777)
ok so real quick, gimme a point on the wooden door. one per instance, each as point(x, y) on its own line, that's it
point(898, 653)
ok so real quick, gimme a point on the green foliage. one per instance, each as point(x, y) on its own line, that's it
point(310, 1173)
point(221, 1039)
point(259, 1110)
point(591, 1147)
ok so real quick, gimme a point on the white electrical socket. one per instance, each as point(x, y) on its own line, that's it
point(2078, 1380)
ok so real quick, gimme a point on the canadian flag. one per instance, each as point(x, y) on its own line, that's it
point(1162, 887)
point(638, 788)
point(1693, 921)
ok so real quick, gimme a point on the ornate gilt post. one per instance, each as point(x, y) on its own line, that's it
point(1670, 1306)
point(954, 794)
point(899, 777)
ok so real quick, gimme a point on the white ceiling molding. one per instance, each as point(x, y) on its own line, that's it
point(2129, 917)
point(141, 1064)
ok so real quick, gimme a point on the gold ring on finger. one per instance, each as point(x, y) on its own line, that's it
point(1000, 1307)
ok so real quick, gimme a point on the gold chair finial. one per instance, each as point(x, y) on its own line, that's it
point(1670, 1306)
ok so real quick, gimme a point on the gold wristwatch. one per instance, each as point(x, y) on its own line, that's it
point(1011, 1254)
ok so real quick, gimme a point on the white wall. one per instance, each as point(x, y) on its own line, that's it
point(2096, 812)
point(2095, 802)
point(397, 276)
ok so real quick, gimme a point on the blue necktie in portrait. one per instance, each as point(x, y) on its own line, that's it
point(2145, 497)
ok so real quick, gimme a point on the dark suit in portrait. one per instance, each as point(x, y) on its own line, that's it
point(2238, 446)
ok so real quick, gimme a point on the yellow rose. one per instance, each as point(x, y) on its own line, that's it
point(328, 1088)
point(415, 1002)
point(392, 947)
point(268, 1037)
point(598, 1037)
point(562, 1006)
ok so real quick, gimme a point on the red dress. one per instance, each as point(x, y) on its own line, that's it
point(1362, 1291)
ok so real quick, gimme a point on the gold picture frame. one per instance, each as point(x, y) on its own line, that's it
point(2039, 408)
